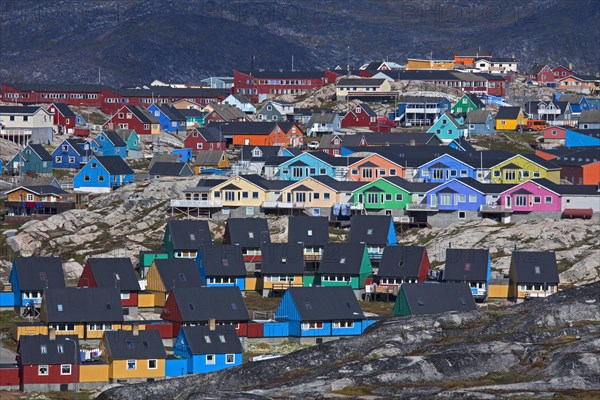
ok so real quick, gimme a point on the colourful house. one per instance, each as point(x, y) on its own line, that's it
point(311, 164)
point(112, 272)
point(522, 167)
point(530, 196)
point(282, 267)
point(131, 139)
point(183, 238)
point(164, 275)
point(375, 231)
point(425, 298)
point(376, 166)
point(582, 137)
point(136, 355)
point(193, 118)
point(169, 118)
point(134, 117)
point(221, 265)
point(48, 362)
point(403, 264)
point(103, 174)
point(447, 128)
point(383, 194)
point(33, 159)
point(344, 264)
point(71, 153)
point(508, 118)
point(480, 122)
point(242, 188)
point(30, 276)
point(466, 104)
point(109, 143)
point(472, 266)
point(322, 312)
point(208, 349)
point(310, 232)
point(206, 138)
point(457, 195)
point(211, 161)
point(249, 234)
point(532, 274)
point(445, 168)
point(309, 193)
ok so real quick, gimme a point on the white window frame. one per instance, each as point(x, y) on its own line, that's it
point(62, 366)
point(155, 363)
point(128, 365)
point(211, 359)
point(227, 359)
point(43, 366)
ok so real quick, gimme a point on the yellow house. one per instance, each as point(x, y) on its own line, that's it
point(240, 191)
point(349, 87)
point(509, 118)
point(210, 159)
point(282, 267)
point(97, 372)
point(523, 167)
point(166, 274)
point(137, 355)
point(184, 104)
point(414, 63)
point(309, 192)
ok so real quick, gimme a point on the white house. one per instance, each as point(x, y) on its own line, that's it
point(241, 102)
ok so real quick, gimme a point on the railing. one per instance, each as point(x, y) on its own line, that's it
point(421, 207)
point(491, 208)
point(282, 204)
point(285, 285)
point(196, 203)
point(404, 219)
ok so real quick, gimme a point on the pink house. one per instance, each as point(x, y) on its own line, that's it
point(554, 134)
point(530, 196)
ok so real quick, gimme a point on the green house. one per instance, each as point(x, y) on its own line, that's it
point(383, 193)
point(344, 264)
point(146, 257)
point(465, 104)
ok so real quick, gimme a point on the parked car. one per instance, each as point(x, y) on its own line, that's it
point(314, 145)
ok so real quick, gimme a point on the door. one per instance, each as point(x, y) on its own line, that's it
point(433, 200)
point(507, 201)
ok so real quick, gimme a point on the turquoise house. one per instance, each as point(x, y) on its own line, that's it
point(312, 164)
point(33, 159)
point(447, 128)
point(131, 139)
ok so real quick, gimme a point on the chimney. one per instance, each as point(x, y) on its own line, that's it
point(212, 324)
point(135, 329)
point(51, 334)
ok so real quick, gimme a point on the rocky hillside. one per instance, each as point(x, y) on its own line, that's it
point(538, 349)
point(140, 40)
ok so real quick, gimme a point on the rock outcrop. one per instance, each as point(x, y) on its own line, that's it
point(541, 347)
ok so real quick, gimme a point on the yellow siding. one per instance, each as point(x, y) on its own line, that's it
point(99, 333)
point(25, 330)
point(119, 370)
point(244, 186)
point(511, 124)
point(128, 327)
point(429, 64)
point(252, 283)
point(145, 300)
point(93, 373)
point(521, 294)
point(154, 283)
point(155, 128)
point(159, 299)
point(524, 164)
point(498, 291)
point(297, 282)
point(553, 175)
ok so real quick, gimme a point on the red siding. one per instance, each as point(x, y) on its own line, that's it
point(44, 97)
point(242, 331)
point(29, 374)
point(87, 278)
point(560, 133)
point(170, 311)
point(191, 142)
point(10, 376)
point(255, 330)
point(424, 268)
point(164, 329)
point(59, 120)
point(361, 119)
point(132, 123)
point(132, 301)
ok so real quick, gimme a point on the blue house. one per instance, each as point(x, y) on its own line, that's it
point(577, 102)
point(447, 128)
point(457, 195)
point(170, 119)
point(208, 350)
point(473, 266)
point(480, 122)
point(33, 159)
point(183, 155)
point(421, 110)
point(312, 164)
point(221, 265)
point(1, 167)
point(71, 153)
point(30, 276)
point(582, 137)
point(103, 174)
point(109, 143)
point(322, 312)
point(445, 168)
point(376, 231)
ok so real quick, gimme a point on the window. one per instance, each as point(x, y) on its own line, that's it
point(496, 174)
point(43, 349)
point(392, 171)
point(462, 215)
point(343, 324)
point(312, 325)
point(372, 198)
point(524, 174)
point(42, 369)
point(60, 349)
point(30, 197)
point(326, 196)
point(255, 195)
point(229, 358)
point(445, 199)
point(316, 196)
point(509, 175)
point(521, 201)
point(536, 174)
point(93, 165)
point(65, 369)
point(462, 198)
point(537, 199)
point(464, 172)
point(210, 359)
point(438, 174)
point(71, 160)
point(548, 199)
point(131, 364)
point(152, 364)
point(101, 178)
point(381, 172)
point(58, 159)
point(472, 198)
point(388, 197)
point(354, 172)
point(399, 197)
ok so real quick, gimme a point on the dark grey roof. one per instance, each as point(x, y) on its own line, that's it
point(477, 117)
point(486, 188)
point(168, 169)
point(282, 258)
point(78, 146)
point(172, 113)
point(41, 152)
point(534, 267)
point(114, 138)
point(39, 349)
point(339, 186)
point(322, 118)
point(222, 260)
point(45, 189)
point(309, 231)
point(205, 303)
point(286, 74)
point(178, 273)
point(360, 82)
point(210, 133)
point(334, 161)
point(167, 91)
point(246, 154)
point(113, 272)
point(82, 304)
point(163, 157)
point(326, 303)
point(466, 265)
point(115, 165)
point(25, 110)
point(420, 99)
point(222, 340)
point(191, 112)
point(39, 273)
point(189, 234)
point(342, 258)
point(269, 184)
point(57, 87)
point(508, 112)
point(209, 158)
point(244, 127)
point(367, 108)
point(578, 158)
point(584, 190)
point(228, 112)
point(65, 110)
point(540, 161)
point(431, 298)
point(383, 139)
point(589, 117)
point(247, 232)
point(370, 229)
point(401, 261)
point(125, 345)
point(143, 114)
point(276, 160)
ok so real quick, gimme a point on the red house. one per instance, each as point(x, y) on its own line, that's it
point(200, 306)
point(63, 118)
point(262, 85)
point(361, 116)
point(48, 362)
point(75, 95)
point(112, 272)
point(555, 134)
point(206, 138)
point(134, 117)
point(542, 74)
point(562, 72)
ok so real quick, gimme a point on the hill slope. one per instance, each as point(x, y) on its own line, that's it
point(542, 347)
point(140, 40)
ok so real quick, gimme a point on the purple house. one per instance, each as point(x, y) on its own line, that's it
point(530, 196)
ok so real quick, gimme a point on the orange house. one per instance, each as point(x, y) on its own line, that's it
point(468, 57)
point(577, 84)
point(375, 166)
point(591, 173)
point(259, 134)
